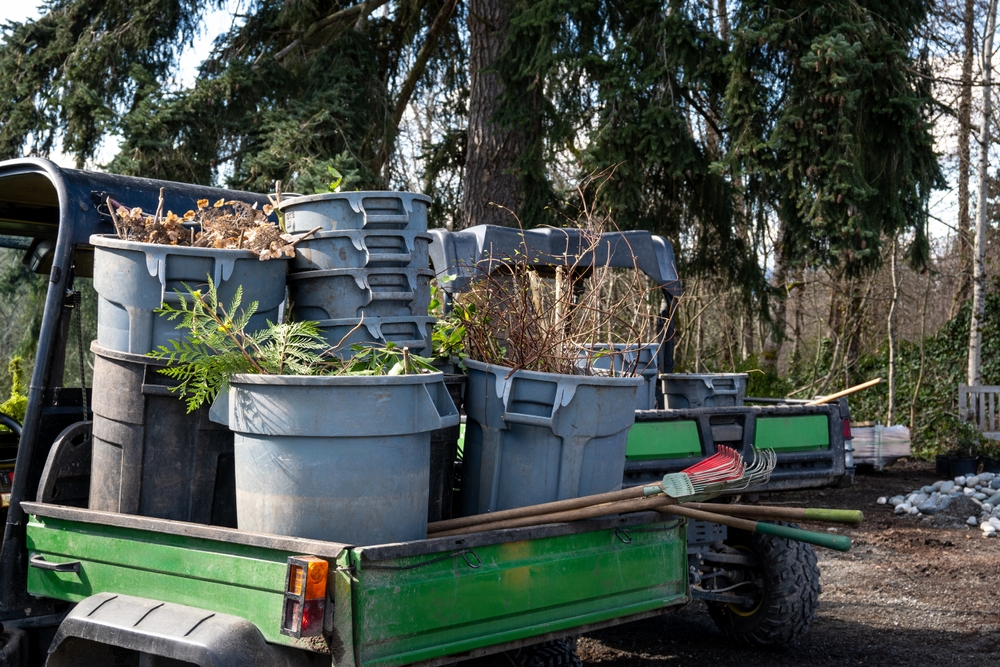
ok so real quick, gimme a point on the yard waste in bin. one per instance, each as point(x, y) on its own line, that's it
point(150, 456)
point(703, 390)
point(132, 279)
point(627, 359)
point(336, 458)
point(534, 437)
point(356, 210)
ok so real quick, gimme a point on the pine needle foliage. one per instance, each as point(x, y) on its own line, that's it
point(217, 346)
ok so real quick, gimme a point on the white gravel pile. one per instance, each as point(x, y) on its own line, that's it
point(982, 489)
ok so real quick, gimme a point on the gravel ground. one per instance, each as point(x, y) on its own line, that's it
point(908, 593)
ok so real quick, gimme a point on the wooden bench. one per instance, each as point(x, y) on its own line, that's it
point(981, 405)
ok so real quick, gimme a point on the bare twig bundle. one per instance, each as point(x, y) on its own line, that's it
point(557, 314)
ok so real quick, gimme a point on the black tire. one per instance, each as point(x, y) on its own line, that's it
point(556, 653)
point(787, 596)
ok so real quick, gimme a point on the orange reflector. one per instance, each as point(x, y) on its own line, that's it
point(294, 579)
point(305, 596)
point(316, 584)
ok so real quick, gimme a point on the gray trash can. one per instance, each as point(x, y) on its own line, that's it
point(627, 359)
point(411, 332)
point(342, 459)
point(333, 294)
point(361, 249)
point(703, 390)
point(356, 210)
point(132, 279)
point(150, 456)
point(535, 437)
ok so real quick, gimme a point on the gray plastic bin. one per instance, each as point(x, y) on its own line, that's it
point(444, 451)
point(150, 457)
point(634, 359)
point(538, 437)
point(411, 332)
point(361, 248)
point(356, 210)
point(339, 293)
point(132, 279)
point(340, 459)
point(703, 390)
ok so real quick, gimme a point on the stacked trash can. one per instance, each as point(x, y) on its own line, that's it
point(363, 275)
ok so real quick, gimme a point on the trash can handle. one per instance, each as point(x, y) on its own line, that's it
point(529, 420)
point(441, 413)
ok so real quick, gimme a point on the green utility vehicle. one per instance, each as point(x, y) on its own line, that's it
point(86, 587)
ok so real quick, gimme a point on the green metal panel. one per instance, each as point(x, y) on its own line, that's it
point(217, 576)
point(522, 589)
point(804, 433)
point(663, 440)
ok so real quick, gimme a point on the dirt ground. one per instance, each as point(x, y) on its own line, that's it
point(908, 593)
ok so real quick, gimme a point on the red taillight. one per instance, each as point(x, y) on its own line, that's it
point(847, 430)
point(305, 596)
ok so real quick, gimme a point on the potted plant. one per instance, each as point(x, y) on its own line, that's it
point(325, 448)
point(968, 446)
point(545, 420)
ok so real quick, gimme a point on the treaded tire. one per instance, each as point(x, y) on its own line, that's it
point(790, 596)
point(556, 653)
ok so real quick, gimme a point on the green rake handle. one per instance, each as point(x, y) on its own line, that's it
point(835, 542)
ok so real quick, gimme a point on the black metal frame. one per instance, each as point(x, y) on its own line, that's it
point(81, 211)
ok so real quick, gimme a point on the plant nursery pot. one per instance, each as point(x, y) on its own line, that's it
point(942, 466)
point(963, 465)
point(343, 459)
point(132, 279)
point(991, 464)
point(538, 437)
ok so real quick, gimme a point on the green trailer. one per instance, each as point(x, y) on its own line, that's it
point(182, 591)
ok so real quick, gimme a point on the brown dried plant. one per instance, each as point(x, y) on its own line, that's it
point(225, 224)
point(524, 315)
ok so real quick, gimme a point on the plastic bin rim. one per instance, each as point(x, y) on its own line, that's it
point(636, 380)
point(108, 353)
point(334, 380)
point(112, 241)
point(699, 376)
point(395, 319)
point(361, 194)
point(353, 272)
point(364, 233)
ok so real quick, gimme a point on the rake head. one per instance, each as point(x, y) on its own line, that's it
point(721, 472)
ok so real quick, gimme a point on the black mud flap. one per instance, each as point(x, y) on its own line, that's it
point(109, 629)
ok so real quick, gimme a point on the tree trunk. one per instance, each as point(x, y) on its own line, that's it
point(491, 152)
point(979, 276)
point(891, 327)
point(920, 372)
point(798, 281)
point(964, 131)
point(773, 343)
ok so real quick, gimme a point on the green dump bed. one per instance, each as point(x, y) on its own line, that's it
point(809, 441)
point(424, 601)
